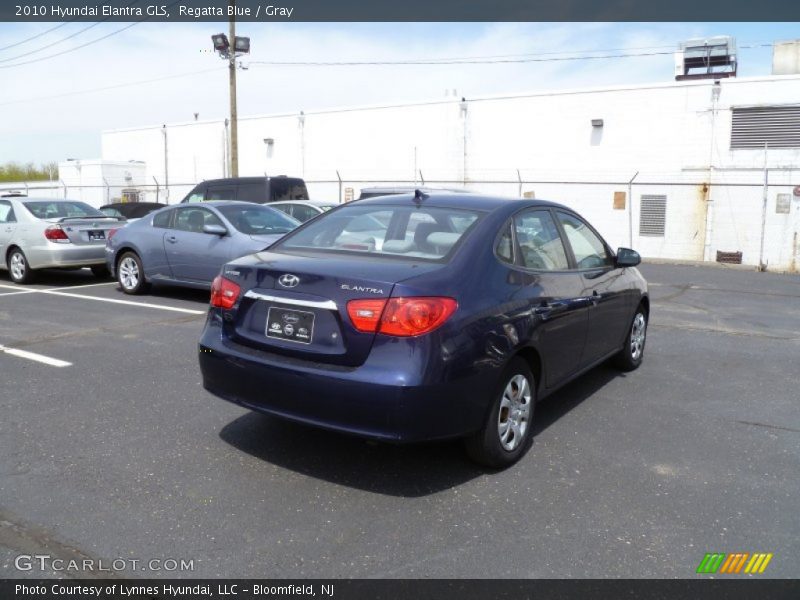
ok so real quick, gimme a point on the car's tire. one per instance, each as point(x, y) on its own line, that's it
point(18, 268)
point(632, 353)
point(508, 431)
point(101, 272)
point(130, 273)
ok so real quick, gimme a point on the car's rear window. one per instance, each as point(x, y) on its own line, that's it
point(258, 220)
point(287, 188)
point(61, 208)
point(427, 233)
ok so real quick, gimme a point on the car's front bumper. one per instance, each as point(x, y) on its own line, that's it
point(368, 401)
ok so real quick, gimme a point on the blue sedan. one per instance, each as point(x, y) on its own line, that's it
point(187, 245)
point(449, 316)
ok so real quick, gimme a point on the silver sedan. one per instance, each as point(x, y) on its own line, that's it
point(44, 233)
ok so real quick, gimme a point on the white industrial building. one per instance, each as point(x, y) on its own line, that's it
point(682, 170)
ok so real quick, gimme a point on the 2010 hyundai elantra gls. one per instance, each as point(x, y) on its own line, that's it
point(450, 316)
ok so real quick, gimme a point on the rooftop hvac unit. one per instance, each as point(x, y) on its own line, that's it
point(711, 58)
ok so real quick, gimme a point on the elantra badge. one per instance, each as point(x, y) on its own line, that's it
point(288, 280)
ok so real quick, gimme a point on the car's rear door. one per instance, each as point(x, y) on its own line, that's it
point(554, 294)
point(8, 225)
point(602, 283)
point(192, 254)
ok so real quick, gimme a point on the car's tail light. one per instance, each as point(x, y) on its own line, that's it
point(403, 317)
point(366, 314)
point(111, 233)
point(54, 233)
point(224, 292)
point(415, 316)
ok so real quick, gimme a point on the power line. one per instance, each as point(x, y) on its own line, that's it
point(100, 39)
point(112, 87)
point(38, 35)
point(50, 45)
point(532, 58)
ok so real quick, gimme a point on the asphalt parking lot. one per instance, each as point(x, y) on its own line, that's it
point(121, 453)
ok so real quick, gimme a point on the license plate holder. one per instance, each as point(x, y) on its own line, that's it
point(290, 325)
point(96, 235)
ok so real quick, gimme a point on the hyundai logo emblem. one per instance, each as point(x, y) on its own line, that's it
point(288, 280)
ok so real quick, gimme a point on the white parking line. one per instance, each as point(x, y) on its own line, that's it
point(53, 362)
point(126, 302)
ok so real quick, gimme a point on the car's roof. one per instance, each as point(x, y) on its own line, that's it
point(453, 200)
point(127, 204)
point(218, 203)
point(305, 202)
point(249, 179)
point(35, 199)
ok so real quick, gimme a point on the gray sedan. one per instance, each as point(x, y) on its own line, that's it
point(187, 245)
point(43, 233)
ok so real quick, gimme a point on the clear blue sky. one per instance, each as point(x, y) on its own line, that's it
point(48, 110)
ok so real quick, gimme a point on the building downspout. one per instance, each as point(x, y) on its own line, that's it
point(166, 162)
point(630, 210)
point(761, 264)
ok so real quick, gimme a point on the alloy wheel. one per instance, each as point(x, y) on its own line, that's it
point(513, 419)
point(638, 332)
point(128, 273)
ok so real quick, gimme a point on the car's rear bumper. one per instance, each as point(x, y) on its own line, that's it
point(54, 255)
point(361, 400)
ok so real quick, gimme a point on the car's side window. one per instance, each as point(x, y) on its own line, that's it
point(194, 219)
point(539, 242)
point(589, 250)
point(162, 219)
point(505, 245)
point(221, 193)
point(303, 213)
point(196, 197)
point(6, 212)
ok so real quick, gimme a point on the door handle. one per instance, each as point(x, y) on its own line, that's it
point(596, 297)
point(172, 239)
point(547, 309)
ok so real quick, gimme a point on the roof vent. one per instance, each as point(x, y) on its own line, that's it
point(711, 58)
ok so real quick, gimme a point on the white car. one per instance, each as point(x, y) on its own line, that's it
point(44, 233)
point(303, 210)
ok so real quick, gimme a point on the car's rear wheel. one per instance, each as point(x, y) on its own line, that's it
point(632, 353)
point(18, 268)
point(101, 271)
point(508, 431)
point(130, 273)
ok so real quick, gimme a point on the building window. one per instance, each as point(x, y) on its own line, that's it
point(653, 216)
point(773, 126)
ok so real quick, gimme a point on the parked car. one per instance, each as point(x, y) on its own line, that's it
point(130, 210)
point(303, 210)
point(186, 245)
point(471, 310)
point(249, 189)
point(43, 233)
point(392, 190)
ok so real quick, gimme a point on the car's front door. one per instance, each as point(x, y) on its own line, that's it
point(553, 293)
point(602, 283)
point(8, 225)
point(192, 254)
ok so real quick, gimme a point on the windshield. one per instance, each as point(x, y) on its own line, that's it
point(58, 209)
point(258, 220)
point(400, 231)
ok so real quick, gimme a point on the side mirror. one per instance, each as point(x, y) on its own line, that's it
point(215, 230)
point(627, 258)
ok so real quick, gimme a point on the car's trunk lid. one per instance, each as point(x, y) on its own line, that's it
point(297, 305)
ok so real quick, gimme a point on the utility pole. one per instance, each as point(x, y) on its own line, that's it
point(229, 49)
point(232, 84)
